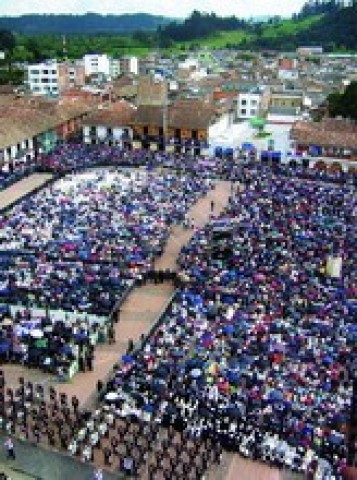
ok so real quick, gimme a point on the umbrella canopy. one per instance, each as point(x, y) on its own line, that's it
point(196, 372)
point(36, 333)
point(258, 122)
point(7, 321)
point(111, 396)
point(127, 359)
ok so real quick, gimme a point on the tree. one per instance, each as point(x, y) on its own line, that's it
point(7, 41)
point(344, 104)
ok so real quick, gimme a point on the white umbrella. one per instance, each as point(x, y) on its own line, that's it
point(7, 321)
point(112, 396)
point(36, 333)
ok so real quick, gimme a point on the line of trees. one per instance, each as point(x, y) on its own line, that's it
point(200, 25)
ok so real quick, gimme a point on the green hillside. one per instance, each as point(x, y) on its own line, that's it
point(289, 27)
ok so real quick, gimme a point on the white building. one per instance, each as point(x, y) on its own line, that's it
point(253, 103)
point(129, 64)
point(42, 78)
point(97, 63)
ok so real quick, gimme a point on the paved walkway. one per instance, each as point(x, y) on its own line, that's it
point(22, 188)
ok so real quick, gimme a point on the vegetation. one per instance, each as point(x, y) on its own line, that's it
point(344, 104)
point(88, 24)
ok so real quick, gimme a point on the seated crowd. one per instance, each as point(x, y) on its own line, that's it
point(13, 172)
point(79, 244)
point(60, 345)
point(257, 349)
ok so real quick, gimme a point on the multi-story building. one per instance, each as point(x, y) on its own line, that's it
point(71, 75)
point(42, 78)
point(53, 78)
point(252, 103)
point(129, 64)
point(95, 64)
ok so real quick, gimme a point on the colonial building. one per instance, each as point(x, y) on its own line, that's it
point(111, 125)
point(329, 142)
point(184, 126)
point(30, 126)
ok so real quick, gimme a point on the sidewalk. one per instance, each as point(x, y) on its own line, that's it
point(22, 188)
point(33, 462)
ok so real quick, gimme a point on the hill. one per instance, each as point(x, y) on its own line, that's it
point(332, 30)
point(88, 24)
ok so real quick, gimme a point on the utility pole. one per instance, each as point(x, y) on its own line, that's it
point(64, 47)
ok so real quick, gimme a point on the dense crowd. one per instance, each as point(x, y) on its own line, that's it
point(61, 345)
point(255, 353)
point(113, 438)
point(257, 349)
point(80, 244)
point(12, 173)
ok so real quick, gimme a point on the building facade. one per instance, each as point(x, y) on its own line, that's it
point(95, 64)
point(42, 78)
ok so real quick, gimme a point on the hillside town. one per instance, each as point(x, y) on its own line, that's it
point(178, 266)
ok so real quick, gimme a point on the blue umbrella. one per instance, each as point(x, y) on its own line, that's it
point(127, 358)
point(276, 395)
point(228, 329)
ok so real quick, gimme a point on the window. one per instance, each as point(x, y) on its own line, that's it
point(27, 143)
point(253, 111)
point(253, 103)
point(45, 72)
point(243, 111)
point(109, 131)
point(34, 72)
point(244, 102)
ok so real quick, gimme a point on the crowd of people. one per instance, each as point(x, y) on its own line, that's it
point(113, 438)
point(61, 345)
point(79, 244)
point(11, 173)
point(257, 350)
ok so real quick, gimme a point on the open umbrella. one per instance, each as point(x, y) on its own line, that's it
point(127, 358)
point(7, 321)
point(111, 396)
point(196, 372)
point(36, 333)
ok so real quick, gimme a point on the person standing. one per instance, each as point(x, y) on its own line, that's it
point(10, 448)
point(98, 474)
